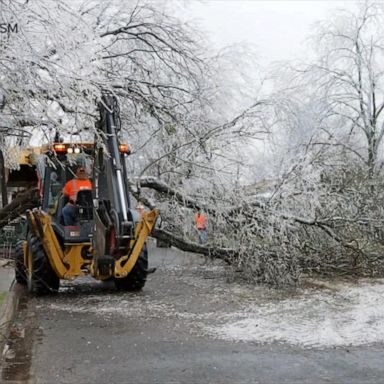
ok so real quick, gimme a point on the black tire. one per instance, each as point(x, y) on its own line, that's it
point(20, 269)
point(136, 279)
point(42, 279)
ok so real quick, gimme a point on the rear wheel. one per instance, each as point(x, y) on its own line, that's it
point(20, 269)
point(41, 278)
point(138, 276)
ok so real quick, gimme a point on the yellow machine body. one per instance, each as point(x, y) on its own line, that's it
point(77, 259)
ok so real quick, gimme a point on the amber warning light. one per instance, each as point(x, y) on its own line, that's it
point(124, 148)
point(60, 147)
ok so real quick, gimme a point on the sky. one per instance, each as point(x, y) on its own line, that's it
point(277, 28)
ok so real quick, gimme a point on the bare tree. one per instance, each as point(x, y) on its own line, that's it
point(349, 81)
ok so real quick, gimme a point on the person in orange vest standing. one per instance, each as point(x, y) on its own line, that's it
point(201, 226)
point(80, 182)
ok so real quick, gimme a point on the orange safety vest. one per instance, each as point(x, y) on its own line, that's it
point(200, 221)
point(75, 185)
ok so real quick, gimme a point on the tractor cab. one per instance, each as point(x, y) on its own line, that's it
point(56, 169)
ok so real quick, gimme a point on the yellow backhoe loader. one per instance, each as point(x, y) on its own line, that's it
point(108, 238)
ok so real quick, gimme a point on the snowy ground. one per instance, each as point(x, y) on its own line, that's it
point(200, 297)
point(352, 315)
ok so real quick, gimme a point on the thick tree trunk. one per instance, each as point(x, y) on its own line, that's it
point(225, 254)
point(23, 201)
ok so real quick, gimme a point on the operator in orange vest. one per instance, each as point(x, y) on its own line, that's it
point(201, 226)
point(80, 182)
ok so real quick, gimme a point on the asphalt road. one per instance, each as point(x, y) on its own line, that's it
point(88, 333)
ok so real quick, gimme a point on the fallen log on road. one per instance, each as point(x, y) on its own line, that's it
point(225, 254)
point(23, 201)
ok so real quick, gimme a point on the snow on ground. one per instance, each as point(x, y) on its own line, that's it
point(342, 314)
point(353, 315)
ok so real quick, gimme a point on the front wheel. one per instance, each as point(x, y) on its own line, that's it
point(41, 278)
point(136, 279)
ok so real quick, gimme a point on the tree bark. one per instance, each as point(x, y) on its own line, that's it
point(225, 254)
point(26, 200)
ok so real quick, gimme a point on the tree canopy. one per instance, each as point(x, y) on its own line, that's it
point(291, 181)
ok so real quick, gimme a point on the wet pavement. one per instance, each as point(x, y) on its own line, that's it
point(89, 333)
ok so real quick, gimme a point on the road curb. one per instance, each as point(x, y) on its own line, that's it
point(8, 312)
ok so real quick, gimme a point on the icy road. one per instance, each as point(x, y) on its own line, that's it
point(193, 323)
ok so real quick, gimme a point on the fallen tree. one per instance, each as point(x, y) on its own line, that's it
point(265, 239)
point(19, 205)
point(336, 233)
